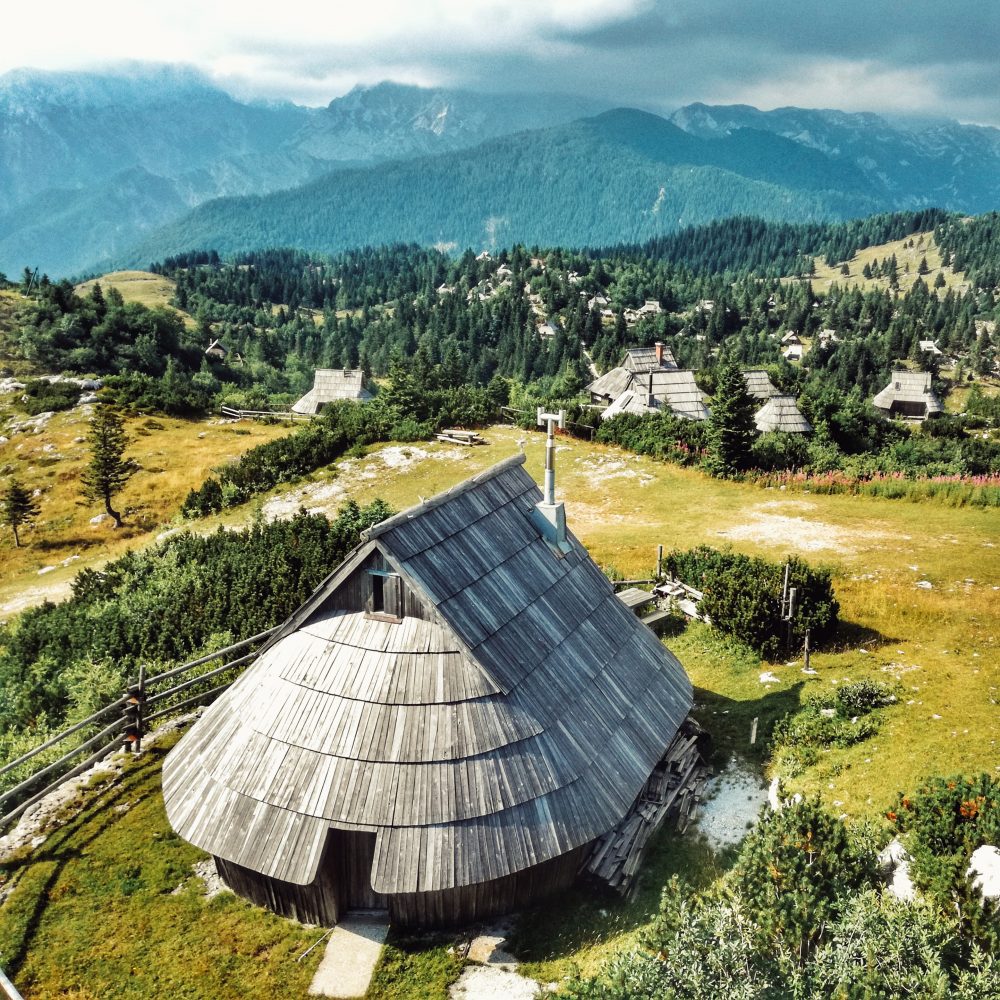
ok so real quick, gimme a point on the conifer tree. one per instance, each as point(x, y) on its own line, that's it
point(18, 507)
point(731, 426)
point(108, 470)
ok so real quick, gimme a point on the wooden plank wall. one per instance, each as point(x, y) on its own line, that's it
point(311, 904)
point(483, 900)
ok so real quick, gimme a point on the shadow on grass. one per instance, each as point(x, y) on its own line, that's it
point(730, 722)
point(68, 842)
point(851, 635)
point(66, 542)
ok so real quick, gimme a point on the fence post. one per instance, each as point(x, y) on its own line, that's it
point(132, 716)
point(659, 561)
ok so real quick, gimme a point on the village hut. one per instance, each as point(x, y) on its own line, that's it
point(638, 361)
point(443, 729)
point(674, 391)
point(216, 350)
point(759, 385)
point(331, 385)
point(780, 413)
point(908, 394)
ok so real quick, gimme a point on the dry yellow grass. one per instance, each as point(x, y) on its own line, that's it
point(144, 287)
point(828, 273)
point(174, 454)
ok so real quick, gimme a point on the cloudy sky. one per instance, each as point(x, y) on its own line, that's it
point(922, 56)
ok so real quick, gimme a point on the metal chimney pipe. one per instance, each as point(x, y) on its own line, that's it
point(659, 352)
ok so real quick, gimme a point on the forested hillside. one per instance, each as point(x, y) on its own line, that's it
point(623, 176)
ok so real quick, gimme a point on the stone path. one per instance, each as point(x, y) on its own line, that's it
point(493, 977)
point(350, 957)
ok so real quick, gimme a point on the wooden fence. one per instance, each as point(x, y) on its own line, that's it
point(8, 989)
point(119, 725)
point(233, 414)
point(513, 415)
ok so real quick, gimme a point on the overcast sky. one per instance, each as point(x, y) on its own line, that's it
point(923, 56)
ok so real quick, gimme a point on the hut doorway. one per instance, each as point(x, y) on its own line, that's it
point(351, 856)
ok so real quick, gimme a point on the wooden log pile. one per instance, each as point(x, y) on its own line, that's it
point(673, 791)
point(453, 435)
point(681, 596)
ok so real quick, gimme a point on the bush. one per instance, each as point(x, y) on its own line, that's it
point(796, 871)
point(40, 395)
point(743, 596)
point(944, 821)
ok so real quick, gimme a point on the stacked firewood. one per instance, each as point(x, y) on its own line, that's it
point(672, 791)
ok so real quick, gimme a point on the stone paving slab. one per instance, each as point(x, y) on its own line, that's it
point(350, 957)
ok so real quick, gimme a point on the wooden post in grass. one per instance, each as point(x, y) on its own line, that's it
point(132, 716)
point(659, 561)
point(806, 650)
point(753, 730)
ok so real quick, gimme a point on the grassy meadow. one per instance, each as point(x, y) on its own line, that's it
point(908, 258)
point(919, 588)
point(173, 455)
point(148, 289)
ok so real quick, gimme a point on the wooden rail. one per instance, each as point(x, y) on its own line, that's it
point(128, 719)
point(8, 989)
point(233, 414)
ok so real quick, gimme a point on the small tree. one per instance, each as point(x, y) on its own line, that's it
point(108, 471)
point(731, 426)
point(18, 507)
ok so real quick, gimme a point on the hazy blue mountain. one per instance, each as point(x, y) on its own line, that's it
point(622, 175)
point(394, 121)
point(72, 146)
point(911, 161)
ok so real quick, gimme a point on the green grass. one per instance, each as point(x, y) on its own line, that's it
point(828, 273)
point(93, 914)
point(415, 967)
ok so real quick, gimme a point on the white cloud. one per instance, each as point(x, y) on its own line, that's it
point(861, 54)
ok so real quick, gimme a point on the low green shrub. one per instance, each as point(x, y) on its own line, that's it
point(743, 596)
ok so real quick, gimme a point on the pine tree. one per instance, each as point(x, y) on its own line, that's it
point(731, 426)
point(108, 471)
point(18, 507)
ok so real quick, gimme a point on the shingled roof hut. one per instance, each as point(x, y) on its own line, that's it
point(780, 413)
point(443, 729)
point(663, 389)
point(331, 385)
point(759, 384)
point(908, 394)
point(639, 361)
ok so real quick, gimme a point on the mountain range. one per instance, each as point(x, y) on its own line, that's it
point(134, 165)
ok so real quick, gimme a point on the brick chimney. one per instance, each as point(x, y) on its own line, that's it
point(659, 352)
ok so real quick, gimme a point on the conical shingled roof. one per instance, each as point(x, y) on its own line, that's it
point(780, 413)
point(517, 721)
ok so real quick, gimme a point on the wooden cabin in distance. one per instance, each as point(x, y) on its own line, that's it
point(759, 385)
point(909, 395)
point(671, 390)
point(331, 385)
point(638, 361)
point(443, 729)
point(781, 413)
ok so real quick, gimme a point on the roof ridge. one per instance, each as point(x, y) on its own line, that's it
point(433, 502)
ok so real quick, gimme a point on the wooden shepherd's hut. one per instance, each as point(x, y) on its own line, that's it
point(780, 413)
point(331, 385)
point(443, 729)
point(639, 362)
point(908, 394)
